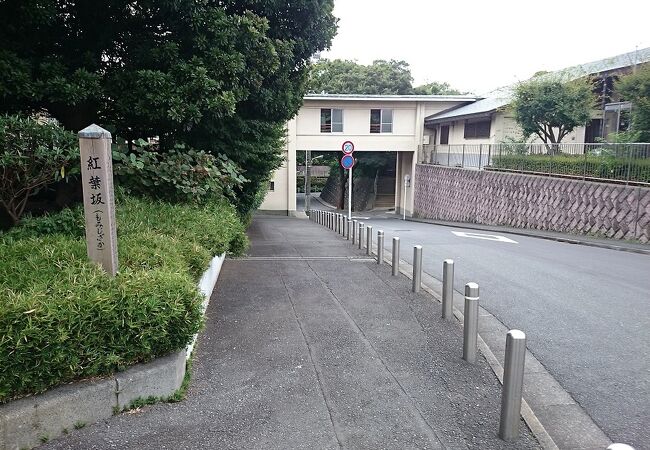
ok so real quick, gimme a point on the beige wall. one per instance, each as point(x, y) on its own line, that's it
point(303, 133)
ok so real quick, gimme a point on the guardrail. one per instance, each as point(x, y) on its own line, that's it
point(622, 163)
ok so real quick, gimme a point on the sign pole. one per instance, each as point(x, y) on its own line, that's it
point(350, 193)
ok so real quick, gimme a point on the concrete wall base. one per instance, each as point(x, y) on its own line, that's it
point(30, 421)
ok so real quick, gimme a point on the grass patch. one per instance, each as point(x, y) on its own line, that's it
point(62, 318)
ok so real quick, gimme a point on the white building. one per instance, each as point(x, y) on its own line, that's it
point(393, 123)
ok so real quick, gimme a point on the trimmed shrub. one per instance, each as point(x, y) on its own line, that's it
point(33, 154)
point(178, 175)
point(62, 318)
point(591, 166)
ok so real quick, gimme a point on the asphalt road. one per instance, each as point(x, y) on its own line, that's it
point(585, 310)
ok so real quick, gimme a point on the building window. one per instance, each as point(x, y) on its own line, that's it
point(331, 120)
point(381, 120)
point(477, 129)
point(271, 186)
point(444, 135)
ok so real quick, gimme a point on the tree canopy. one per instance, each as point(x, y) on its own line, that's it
point(379, 78)
point(635, 88)
point(550, 108)
point(225, 75)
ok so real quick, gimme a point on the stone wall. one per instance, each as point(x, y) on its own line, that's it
point(534, 202)
point(363, 194)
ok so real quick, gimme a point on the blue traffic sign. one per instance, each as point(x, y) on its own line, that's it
point(347, 162)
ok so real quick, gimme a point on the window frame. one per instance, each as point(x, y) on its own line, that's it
point(475, 129)
point(379, 128)
point(330, 128)
point(444, 134)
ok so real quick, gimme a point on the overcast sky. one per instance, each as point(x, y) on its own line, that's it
point(477, 46)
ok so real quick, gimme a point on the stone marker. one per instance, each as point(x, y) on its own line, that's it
point(99, 199)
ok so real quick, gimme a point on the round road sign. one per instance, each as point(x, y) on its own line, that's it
point(347, 162)
point(347, 147)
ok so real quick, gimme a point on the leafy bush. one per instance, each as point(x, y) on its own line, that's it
point(603, 166)
point(33, 154)
point(179, 175)
point(62, 318)
point(317, 183)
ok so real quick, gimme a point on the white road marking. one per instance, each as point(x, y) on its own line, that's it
point(487, 237)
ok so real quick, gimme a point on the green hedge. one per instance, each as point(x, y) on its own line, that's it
point(592, 166)
point(317, 183)
point(62, 318)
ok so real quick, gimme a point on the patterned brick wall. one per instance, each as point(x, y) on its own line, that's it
point(529, 201)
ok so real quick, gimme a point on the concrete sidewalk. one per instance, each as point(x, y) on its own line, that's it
point(309, 344)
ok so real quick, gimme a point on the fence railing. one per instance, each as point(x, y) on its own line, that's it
point(628, 163)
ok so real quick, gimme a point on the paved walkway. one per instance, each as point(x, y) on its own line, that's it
point(309, 344)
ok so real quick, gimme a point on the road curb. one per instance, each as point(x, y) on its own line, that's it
point(578, 431)
point(531, 233)
point(30, 421)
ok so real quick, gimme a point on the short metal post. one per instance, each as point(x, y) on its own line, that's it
point(448, 289)
point(369, 240)
point(380, 247)
point(341, 222)
point(470, 328)
point(349, 230)
point(417, 268)
point(395, 256)
point(619, 446)
point(354, 231)
point(338, 223)
point(362, 228)
point(513, 383)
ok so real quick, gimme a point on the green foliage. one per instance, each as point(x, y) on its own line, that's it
point(551, 108)
point(33, 155)
point(436, 88)
point(225, 74)
point(317, 183)
point(604, 165)
point(348, 77)
point(179, 175)
point(635, 87)
point(62, 318)
point(69, 221)
point(379, 78)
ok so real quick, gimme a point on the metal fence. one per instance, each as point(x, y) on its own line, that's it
point(626, 163)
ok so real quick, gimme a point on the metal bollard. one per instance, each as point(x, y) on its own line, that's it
point(395, 256)
point(448, 289)
point(470, 326)
point(349, 229)
point(341, 225)
point(331, 216)
point(337, 222)
point(513, 383)
point(362, 228)
point(369, 240)
point(354, 231)
point(417, 268)
point(380, 247)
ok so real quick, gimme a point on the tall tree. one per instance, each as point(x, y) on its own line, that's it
point(635, 88)
point(551, 108)
point(224, 74)
point(348, 77)
point(436, 88)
